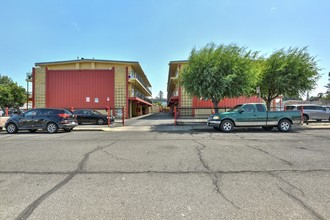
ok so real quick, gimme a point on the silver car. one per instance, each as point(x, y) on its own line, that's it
point(311, 111)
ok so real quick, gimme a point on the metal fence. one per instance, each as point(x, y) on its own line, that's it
point(185, 115)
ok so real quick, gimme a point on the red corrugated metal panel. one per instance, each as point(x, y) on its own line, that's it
point(226, 102)
point(80, 88)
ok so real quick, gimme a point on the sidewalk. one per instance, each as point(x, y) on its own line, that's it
point(172, 128)
point(167, 126)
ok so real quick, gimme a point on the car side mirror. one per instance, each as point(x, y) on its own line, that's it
point(241, 110)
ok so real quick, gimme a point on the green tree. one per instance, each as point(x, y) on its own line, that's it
point(328, 85)
point(160, 94)
point(290, 72)
point(11, 95)
point(217, 72)
point(326, 97)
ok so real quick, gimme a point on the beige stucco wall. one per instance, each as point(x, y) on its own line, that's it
point(120, 87)
point(186, 100)
point(39, 87)
point(80, 65)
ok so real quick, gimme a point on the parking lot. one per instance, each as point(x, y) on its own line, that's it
point(150, 169)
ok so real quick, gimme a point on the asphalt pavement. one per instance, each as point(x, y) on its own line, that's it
point(145, 172)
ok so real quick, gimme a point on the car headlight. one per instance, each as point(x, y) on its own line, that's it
point(216, 117)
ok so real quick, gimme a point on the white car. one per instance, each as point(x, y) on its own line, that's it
point(311, 111)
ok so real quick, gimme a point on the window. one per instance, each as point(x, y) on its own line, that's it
point(86, 112)
point(248, 108)
point(31, 113)
point(260, 108)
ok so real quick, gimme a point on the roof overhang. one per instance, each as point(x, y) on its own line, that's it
point(173, 100)
point(139, 101)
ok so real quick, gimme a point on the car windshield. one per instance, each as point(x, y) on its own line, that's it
point(235, 109)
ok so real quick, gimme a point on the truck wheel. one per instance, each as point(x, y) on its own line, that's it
point(227, 126)
point(284, 125)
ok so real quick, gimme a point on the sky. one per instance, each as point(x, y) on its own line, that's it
point(155, 32)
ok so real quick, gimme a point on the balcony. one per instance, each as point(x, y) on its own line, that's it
point(138, 82)
point(135, 96)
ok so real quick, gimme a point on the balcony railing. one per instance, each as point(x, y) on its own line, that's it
point(135, 75)
point(141, 96)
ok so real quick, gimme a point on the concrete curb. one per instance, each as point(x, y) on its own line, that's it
point(172, 128)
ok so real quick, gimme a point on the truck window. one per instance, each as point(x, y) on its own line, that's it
point(260, 108)
point(248, 108)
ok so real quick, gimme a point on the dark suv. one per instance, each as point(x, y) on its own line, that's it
point(49, 119)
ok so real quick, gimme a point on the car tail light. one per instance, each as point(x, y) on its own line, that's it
point(64, 115)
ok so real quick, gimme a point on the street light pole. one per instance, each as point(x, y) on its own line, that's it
point(28, 79)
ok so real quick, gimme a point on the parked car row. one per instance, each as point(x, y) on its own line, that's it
point(54, 119)
point(311, 111)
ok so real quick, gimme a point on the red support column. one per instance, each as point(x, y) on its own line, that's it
point(174, 115)
point(302, 115)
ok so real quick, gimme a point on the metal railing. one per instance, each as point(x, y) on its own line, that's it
point(186, 115)
point(135, 75)
point(141, 96)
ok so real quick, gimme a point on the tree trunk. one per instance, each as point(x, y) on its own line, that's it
point(215, 105)
point(268, 103)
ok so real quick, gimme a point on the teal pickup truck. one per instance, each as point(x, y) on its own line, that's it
point(254, 115)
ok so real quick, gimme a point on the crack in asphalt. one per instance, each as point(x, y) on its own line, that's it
point(165, 172)
point(30, 208)
point(212, 175)
point(287, 182)
point(271, 155)
point(120, 158)
point(307, 149)
point(309, 209)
